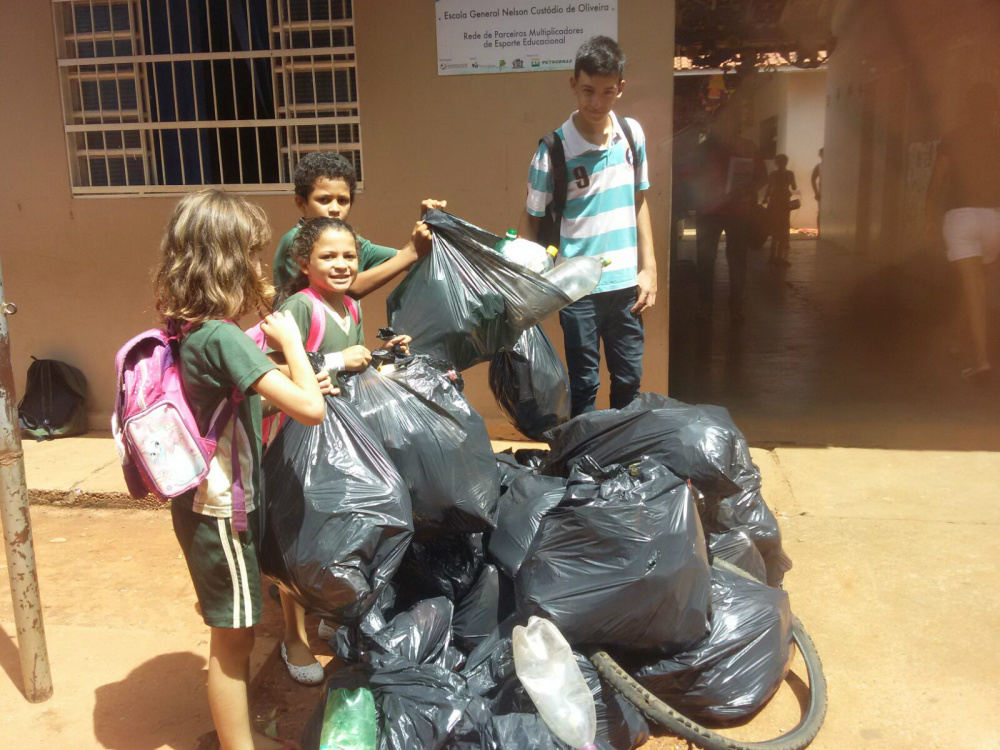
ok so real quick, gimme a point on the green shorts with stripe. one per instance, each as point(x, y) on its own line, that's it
point(223, 565)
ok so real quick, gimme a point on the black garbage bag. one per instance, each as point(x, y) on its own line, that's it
point(531, 458)
point(737, 548)
point(337, 517)
point(509, 469)
point(739, 666)
point(700, 443)
point(463, 302)
point(352, 642)
point(421, 635)
point(522, 731)
point(478, 613)
point(692, 441)
point(530, 384)
point(435, 439)
point(621, 561)
point(447, 566)
point(519, 512)
point(747, 509)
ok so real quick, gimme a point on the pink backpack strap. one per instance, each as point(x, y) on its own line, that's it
point(352, 308)
point(317, 327)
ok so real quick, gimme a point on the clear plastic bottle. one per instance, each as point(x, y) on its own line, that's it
point(579, 276)
point(349, 721)
point(528, 254)
point(507, 239)
point(548, 670)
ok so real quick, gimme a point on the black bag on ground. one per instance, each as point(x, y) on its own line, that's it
point(737, 548)
point(747, 509)
point(509, 470)
point(621, 561)
point(463, 302)
point(519, 512)
point(700, 443)
point(742, 662)
point(478, 613)
point(530, 384)
point(54, 402)
point(692, 441)
point(336, 517)
point(435, 439)
point(446, 566)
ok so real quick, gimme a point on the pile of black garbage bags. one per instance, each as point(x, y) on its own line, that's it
point(396, 519)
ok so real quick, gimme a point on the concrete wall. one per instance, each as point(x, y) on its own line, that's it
point(79, 268)
point(802, 135)
point(896, 78)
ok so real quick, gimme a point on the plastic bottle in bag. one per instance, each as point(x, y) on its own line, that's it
point(501, 246)
point(545, 664)
point(349, 721)
point(528, 254)
point(578, 276)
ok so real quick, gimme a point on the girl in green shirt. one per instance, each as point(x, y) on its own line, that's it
point(326, 252)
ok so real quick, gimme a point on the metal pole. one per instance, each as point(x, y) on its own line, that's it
point(17, 542)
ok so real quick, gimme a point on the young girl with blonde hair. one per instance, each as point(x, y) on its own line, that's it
point(209, 277)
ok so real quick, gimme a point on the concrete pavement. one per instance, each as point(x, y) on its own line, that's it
point(896, 569)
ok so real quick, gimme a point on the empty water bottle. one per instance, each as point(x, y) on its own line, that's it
point(349, 721)
point(528, 254)
point(578, 276)
point(548, 670)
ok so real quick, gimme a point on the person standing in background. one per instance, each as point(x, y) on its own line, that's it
point(730, 173)
point(817, 184)
point(780, 184)
point(965, 185)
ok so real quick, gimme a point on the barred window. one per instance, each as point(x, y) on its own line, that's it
point(162, 95)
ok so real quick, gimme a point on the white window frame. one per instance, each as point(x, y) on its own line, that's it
point(292, 118)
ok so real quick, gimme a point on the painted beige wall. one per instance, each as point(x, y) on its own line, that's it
point(79, 268)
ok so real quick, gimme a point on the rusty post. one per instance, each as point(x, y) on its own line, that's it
point(17, 540)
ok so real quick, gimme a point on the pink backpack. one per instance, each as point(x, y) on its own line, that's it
point(317, 329)
point(159, 444)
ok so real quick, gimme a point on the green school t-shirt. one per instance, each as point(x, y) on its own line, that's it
point(335, 338)
point(284, 266)
point(215, 358)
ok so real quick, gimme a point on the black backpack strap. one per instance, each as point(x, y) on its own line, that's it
point(560, 177)
point(627, 130)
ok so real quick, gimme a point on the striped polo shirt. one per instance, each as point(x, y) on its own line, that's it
point(599, 218)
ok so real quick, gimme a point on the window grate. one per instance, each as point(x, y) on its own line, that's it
point(160, 96)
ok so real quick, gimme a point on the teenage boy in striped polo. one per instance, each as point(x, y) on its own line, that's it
point(605, 214)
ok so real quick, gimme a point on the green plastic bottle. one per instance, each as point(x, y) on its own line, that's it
point(349, 721)
point(508, 238)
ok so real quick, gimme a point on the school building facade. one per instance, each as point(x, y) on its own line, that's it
point(80, 231)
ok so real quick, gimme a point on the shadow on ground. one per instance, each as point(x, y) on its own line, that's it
point(137, 713)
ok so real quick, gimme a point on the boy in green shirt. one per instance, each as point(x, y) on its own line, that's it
point(324, 187)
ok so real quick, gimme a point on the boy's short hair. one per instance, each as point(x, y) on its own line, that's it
point(318, 164)
point(600, 56)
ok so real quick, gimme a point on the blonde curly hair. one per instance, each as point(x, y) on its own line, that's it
point(208, 270)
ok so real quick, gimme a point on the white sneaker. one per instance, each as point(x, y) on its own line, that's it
point(308, 675)
point(325, 632)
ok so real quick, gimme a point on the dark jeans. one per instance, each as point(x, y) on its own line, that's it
point(709, 228)
point(605, 316)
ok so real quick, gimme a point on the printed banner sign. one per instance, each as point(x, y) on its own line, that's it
point(518, 36)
